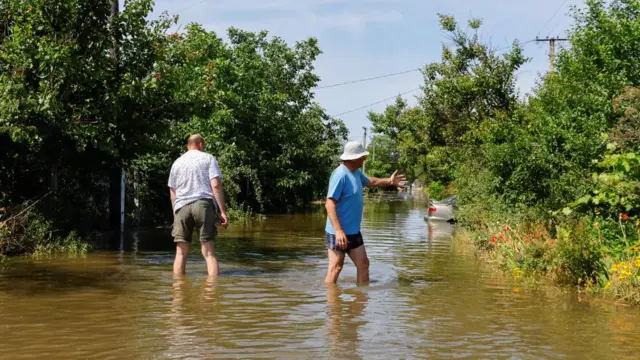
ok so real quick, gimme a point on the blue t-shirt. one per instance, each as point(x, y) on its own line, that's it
point(346, 188)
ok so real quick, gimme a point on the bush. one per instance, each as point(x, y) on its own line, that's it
point(435, 190)
point(600, 254)
point(29, 232)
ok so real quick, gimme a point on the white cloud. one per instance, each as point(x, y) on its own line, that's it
point(309, 24)
point(366, 38)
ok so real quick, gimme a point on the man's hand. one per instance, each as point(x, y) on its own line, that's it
point(224, 220)
point(341, 239)
point(397, 180)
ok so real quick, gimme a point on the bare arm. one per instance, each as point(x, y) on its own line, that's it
point(330, 205)
point(393, 180)
point(341, 238)
point(376, 182)
point(172, 195)
point(218, 194)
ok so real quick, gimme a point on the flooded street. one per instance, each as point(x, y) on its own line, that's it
point(426, 300)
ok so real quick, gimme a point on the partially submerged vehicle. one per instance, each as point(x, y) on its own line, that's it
point(443, 210)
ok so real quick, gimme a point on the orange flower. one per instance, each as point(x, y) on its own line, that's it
point(507, 228)
point(550, 242)
point(506, 240)
point(527, 240)
point(537, 235)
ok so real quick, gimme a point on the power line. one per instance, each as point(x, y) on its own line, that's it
point(523, 44)
point(552, 17)
point(367, 79)
point(555, 27)
point(377, 102)
point(187, 8)
point(191, 6)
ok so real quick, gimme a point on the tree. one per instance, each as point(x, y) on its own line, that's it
point(471, 89)
point(252, 100)
point(383, 158)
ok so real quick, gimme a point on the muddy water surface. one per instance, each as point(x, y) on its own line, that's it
point(426, 300)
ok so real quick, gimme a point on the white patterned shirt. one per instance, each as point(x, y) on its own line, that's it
point(191, 176)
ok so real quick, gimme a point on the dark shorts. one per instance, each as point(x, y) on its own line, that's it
point(353, 241)
point(199, 216)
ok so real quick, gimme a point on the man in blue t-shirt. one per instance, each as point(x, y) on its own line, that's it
point(344, 209)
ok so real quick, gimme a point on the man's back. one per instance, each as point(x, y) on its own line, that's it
point(191, 176)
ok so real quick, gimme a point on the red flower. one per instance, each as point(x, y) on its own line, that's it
point(527, 240)
point(493, 240)
point(507, 228)
point(537, 235)
point(624, 216)
point(506, 240)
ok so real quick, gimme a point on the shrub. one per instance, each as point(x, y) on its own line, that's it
point(29, 232)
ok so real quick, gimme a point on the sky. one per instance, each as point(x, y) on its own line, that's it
point(368, 38)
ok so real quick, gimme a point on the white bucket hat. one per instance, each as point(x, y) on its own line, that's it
point(353, 150)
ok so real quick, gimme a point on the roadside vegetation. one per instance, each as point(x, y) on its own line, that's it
point(548, 184)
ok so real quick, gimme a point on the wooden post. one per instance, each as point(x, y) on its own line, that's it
point(552, 50)
point(364, 144)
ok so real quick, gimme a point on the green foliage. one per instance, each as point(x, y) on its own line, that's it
point(83, 94)
point(617, 190)
point(61, 81)
point(435, 190)
point(468, 91)
point(255, 109)
point(549, 160)
point(575, 140)
point(383, 158)
point(28, 231)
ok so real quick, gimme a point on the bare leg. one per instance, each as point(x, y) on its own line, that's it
point(180, 263)
point(209, 254)
point(360, 259)
point(336, 261)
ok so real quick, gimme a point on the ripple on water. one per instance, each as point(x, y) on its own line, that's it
point(424, 300)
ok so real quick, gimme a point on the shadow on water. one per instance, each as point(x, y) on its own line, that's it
point(42, 279)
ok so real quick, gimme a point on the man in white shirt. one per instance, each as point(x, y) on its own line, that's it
point(194, 184)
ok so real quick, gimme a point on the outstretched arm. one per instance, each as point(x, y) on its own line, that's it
point(393, 180)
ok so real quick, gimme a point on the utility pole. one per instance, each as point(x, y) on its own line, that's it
point(364, 144)
point(552, 50)
point(115, 10)
point(117, 183)
point(373, 142)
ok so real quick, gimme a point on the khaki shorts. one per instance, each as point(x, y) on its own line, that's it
point(200, 216)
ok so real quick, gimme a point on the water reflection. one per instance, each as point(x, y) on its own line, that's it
point(345, 317)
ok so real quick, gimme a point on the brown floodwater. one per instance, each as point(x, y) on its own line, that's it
point(427, 299)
